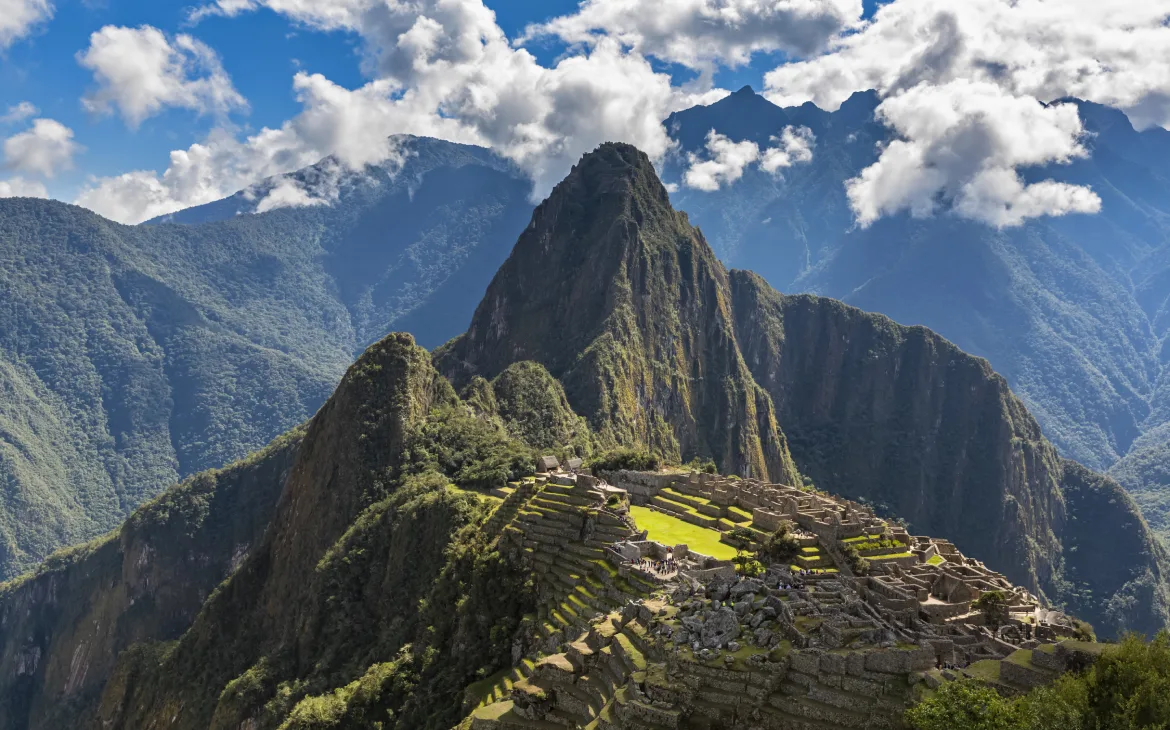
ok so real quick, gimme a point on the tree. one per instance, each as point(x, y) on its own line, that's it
point(994, 605)
point(781, 546)
point(964, 705)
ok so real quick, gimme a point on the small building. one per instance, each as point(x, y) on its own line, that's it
point(547, 463)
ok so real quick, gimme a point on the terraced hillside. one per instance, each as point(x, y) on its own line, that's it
point(637, 631)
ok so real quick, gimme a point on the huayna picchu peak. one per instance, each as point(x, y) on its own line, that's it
point(890, 522)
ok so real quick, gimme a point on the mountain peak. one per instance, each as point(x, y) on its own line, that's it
point(623, 301)
point(746, 90)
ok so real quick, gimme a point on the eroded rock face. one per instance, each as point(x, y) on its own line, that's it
point(720, 628)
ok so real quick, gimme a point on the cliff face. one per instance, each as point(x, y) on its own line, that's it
point(623, 301)
point(63, 627)
point(903, 419)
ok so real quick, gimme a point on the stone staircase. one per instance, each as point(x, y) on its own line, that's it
point(559, 527)
point(577, 688)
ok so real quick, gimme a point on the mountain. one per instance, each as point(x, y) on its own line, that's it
point(623, 302)
point(131, 357)
point(1070, 310)
point(387, 586)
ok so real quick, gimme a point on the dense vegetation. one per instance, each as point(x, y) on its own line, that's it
point(1127, 688)
point(131, 357)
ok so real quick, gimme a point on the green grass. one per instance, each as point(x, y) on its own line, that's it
point(670, 530)
point(936, 560)
point(738, 515)
point(891, 556)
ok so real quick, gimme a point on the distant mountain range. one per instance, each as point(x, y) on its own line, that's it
point(1073, 311)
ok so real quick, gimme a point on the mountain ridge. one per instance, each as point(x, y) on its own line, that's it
point(380, 589)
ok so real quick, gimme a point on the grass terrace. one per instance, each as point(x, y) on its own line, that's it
point(670, 530)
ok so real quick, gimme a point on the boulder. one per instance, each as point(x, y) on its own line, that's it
point(763, 636)
point(720, 628)
point(744, 587)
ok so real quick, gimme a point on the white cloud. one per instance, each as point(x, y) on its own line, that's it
point(18, 187)
point(355, 126)
point(288, 193)
point(43, 150)
point(1115, 53)
point(706, 33)
point(140, 71)
point(794, 146)
point(442, 68)
point(727, 160)
point(19, 112)
point(726, 165)
point(960, 145)
point(18, 18)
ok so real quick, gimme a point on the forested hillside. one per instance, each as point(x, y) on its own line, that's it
point(131, 357)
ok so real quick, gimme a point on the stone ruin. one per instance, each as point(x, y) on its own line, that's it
point(687, 642)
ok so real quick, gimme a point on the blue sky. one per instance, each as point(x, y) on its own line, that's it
point(260, 51)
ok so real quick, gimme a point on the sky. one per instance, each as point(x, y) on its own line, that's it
point(137, 108)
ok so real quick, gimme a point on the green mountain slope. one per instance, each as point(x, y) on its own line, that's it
point(623, 301)
point(131, 357)
point(382, 589)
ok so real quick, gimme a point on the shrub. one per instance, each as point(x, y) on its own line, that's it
point(994, 605)
point(746, 565)
point(628, 459)
point(703, 466)
point(781, 546)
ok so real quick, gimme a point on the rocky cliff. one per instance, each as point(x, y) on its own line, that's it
point(624, 302)
point(901, 418)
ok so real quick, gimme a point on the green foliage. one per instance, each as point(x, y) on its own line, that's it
point(474, 452)
point(1127, 688)
point(964, 705)
point(742, 534)
point(857, 564)
point(624, 458)
point(746, 565)
point(781, 546)
point(994, 605)
point(703, 466)
point(536, 411)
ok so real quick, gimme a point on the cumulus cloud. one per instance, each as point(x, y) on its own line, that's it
point(441, 68)
point(354, 126)
point(18, 18)
point(140, 71)
point(703, 34)
point(19, 112)
point(43, 150)
point(960, 145)
point(726, 164)
point(288, 193)
point(18, 187)
point(726, 160)
point(1115, 53)
point(794, 146)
